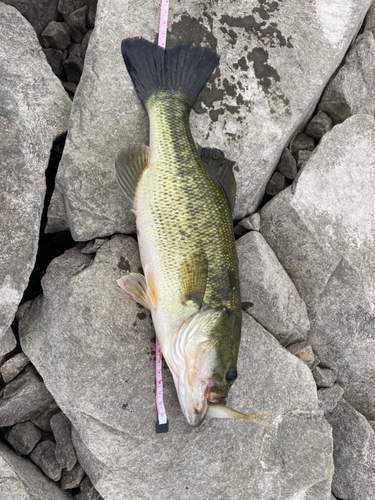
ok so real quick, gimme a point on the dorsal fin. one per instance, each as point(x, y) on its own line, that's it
point(129, 164)
point(220, 170)
point(194, 277)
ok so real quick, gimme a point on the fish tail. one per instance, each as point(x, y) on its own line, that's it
point(182, 71)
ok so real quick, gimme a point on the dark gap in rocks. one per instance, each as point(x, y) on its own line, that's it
point(265, 200)
point(54, 244)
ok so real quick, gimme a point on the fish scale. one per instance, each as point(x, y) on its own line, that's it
point(184, 208)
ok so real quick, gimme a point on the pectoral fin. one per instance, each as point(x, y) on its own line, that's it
point(194, 278)
point(220, 170)
point(130, 164)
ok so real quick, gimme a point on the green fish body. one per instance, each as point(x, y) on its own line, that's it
point(185, 230)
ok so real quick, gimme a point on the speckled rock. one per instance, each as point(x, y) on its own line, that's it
point(39, 13)
point(34, 111)
point(43, 455)
point(20, 479)
point(328, 398)
point(303, 351)
point(303, 156)
point(11, 368)
point(101, 347)
point(23, 437)
point(287, 165)
point(302, 142)
point(267, 292)
point(353, 453)
point(324, 377)
point(22, 397)
point(352, 91)
point(275, 184)
point(7, 344)
point(319, 125)
point(65, 454)
point(71, 479)
point(322, 232)
point(250, 109)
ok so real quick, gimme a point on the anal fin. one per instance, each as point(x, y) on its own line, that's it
point(194, 274)
point(220, 170)
point(129, 165)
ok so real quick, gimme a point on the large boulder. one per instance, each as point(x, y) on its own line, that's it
point(34, 110)
point(94, 347)
point(268, 82)
point(322, 230)
point(39, 13)
point(267, 292)
point(20, 479)
point(354, 453)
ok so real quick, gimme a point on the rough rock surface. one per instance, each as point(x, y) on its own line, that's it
point(353, 453)
point(328, 398)
point(20, 479)
point(24, 436)
point(65, 453)
point(267, 292)
point(72, 478)
point(352, 91)
point(43, 455)
point(22, 397)
point(34, 111)
point(250, 109)
point(7, 344)
point(39, 13)
point(11, 368)
point(105, 355)
point(323, 233)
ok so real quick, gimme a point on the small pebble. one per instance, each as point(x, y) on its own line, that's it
point(275, 184)
point(303, 351)
point(324, 377)
point(24, 436)
point(302, 141)
point(43, 455)
point(65, 453)
point(328, 398)
point(11, 368)
point(72, 479)
point(302, 158)
point(56, 36)
point(319, 125)
point(287, 165)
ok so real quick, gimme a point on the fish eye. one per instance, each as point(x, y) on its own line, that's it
point(231, 375)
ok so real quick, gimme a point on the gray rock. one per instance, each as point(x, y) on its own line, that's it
point(7, 344)
point(56, 36)
point(38, 13)
point(74, 65)
point(55, 59)
point(352, 89)
point(70, 87)
point(88, 492)
point(11, 368)
point(65, 454)
point(24, 436)
point(34, 110)
point(43, 455)
point(287, 165)
point(372, 423)
point(76, 24)
point(324, 377)
point(267, 292)
point(319, 125)
point(22, 397)
point(251, 223)
point(303, 351)
point(275, 184)
point(85, 43)
point(303, 157)
point(322, 234)
point(256, 73)
point(66, 7)
point(370, 19)
point(328, 398)
point(353, 453)
point(42, 416)
point(20, 479)
point(302, 142)
point(71, 479)
point(91, 13)
point(93, 246)
point(113, 410)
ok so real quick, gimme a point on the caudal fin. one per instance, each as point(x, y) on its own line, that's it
point(181, 71)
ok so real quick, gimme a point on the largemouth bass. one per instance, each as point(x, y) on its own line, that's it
point(183, 204)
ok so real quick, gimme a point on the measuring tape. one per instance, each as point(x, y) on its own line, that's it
point(162, 423)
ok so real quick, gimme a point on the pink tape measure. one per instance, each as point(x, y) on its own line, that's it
point(162, 422)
